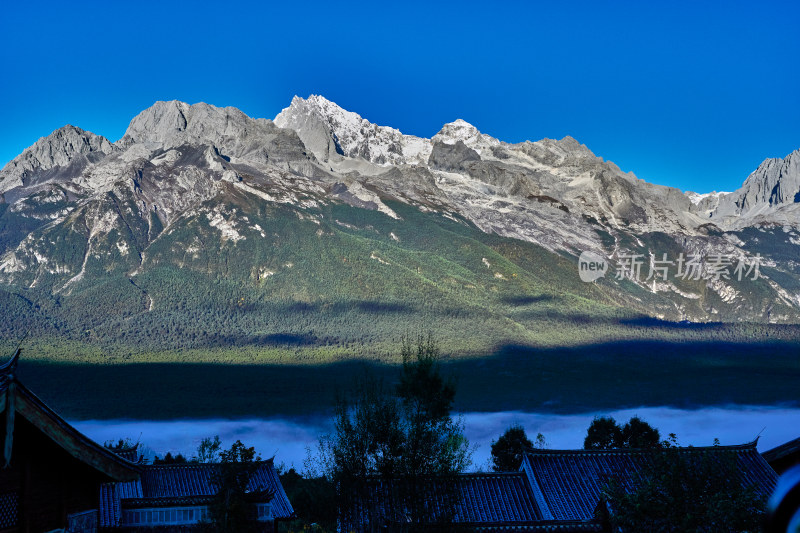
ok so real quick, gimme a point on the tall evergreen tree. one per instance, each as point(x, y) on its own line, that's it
point(231, 510)
point(637, 433)
point(402, 433)
point(509, 449)
point(605, 433)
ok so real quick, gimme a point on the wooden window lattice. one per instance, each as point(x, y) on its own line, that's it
point(8, 509)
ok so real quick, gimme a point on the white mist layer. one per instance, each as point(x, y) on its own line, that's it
point(287, 439)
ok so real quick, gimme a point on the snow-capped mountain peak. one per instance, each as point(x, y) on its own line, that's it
point(461, 130)
point(179, 164)
point(327, 130)
point(697, 198)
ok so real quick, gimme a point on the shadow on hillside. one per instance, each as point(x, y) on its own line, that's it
point(364, 306)
point(527, 300)
point(562, 380)
point(283, 339)
point(368, 306)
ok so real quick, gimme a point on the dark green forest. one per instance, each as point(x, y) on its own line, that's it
point(308, 295)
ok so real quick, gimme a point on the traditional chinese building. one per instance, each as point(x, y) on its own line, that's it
point(555, 490)
point(495, 502)
point(51, 474)
point(783, 457)
point(567, 484)
point(52, 477)
point(176, 497)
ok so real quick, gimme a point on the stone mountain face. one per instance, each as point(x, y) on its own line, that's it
point(544, 190)
point(329, 131)
point(66, 149)
point(76, 206)
point(771, 194)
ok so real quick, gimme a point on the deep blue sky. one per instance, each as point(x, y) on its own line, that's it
point(682, 94)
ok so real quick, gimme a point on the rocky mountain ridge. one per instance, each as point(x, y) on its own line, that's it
point(179, 163)
point(770, 194)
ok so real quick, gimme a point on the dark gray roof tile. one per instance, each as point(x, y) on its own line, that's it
point(481, 498)
point(567, 484)
point(186, 482)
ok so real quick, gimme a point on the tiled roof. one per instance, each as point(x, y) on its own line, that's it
point(567, 484)
point(785, 449)
point(479, 499)
point(561, 526)
point(491, 498)
point(188, 479)
point(187, 483)
point(568, 526)
point(111, 495)
point(193, 479)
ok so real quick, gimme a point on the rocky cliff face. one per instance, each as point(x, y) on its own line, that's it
point(542, 187)
point(168, 125)
point(66, 151)
point(86, 203)
point(771, 194)
point(331, 132)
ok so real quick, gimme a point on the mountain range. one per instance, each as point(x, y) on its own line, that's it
point(202, 226)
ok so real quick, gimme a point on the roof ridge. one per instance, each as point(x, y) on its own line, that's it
point(632, 451)
point(461, 475)
point(179, 465)
point(781, 450)
point(488, 474)
point(70, 429)
point(10, 366)
point(198, 464)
